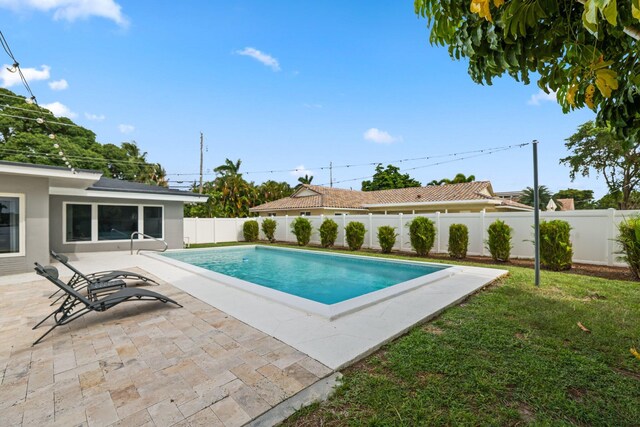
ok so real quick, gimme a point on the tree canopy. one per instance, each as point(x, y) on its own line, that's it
point(389, 178)
point(24, 139)
point(585, 51)
point(458, 179)
point(582, 199)
point(617, 160)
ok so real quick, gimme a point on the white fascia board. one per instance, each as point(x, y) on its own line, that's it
point(443, 203)
point(517, 208)
point(49, 173)
point(61, 191)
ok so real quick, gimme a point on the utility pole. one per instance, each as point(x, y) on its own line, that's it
point(536, 214)
point(331, 174)
point(201, 158)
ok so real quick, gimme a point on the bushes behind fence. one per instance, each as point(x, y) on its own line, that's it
point(422, 234)
point(355, 232)
point(458, 240)
point(328, 233)
point(629, 240)
point(499, 241)
point(269, 229)
point(250, 230)
point(555, 245)
point(301, 228)
point(387, 238)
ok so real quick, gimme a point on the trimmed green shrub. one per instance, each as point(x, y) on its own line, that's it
point(269, 229)
point(328, 233)
point(387, 238)
point(458, 240)
point(499, 241)
point(629, 240)
point(555, 245)
point(422, 233)
point(355, 235)
point(301, 228)
point(250, 230)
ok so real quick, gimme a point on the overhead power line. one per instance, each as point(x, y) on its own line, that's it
point(15, 68)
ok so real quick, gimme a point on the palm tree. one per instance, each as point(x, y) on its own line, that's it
point(544, 195)
point(306, 179)
point(229, 168)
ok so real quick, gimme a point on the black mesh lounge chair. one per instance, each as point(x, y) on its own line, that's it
point(80, 278)
point(76, 305)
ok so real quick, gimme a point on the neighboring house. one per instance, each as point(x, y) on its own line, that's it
point(566, 204)
point(48, 207)
point(509, 195)
point(316, 200)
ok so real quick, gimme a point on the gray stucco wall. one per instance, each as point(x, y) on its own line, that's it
point(173, 227)
point(36, 191)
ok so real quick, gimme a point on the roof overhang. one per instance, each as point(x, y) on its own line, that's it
point(258, 209)
point(57, 177)
point(515, 208)
point(65, 191)
point(482, 202)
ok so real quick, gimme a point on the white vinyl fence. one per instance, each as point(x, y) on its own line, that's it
point(593, 231)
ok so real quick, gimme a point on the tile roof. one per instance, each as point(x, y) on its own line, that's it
point(566, 204)
point(315, 196)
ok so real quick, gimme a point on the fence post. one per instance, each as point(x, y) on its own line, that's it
point(344, 231)
point(237, 231)
point(610, 244)
point(482, 231)
point(370, 230)
point(195, 226)
point(438, 232)
point(400, 231)
point(215, 220)
point(286, 228)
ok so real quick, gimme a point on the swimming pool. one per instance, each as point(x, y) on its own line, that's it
point(321, 283)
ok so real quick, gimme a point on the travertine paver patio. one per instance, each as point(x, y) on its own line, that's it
point(141, 364)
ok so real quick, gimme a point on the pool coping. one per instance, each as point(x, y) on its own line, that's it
point(328, 311)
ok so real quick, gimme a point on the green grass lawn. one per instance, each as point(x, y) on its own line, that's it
point(510, 355)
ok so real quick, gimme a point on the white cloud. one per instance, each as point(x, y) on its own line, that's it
point(301, 171)
point(31, 74)
point(541, 96)
point(126, 128)
point(60, 110)
point(71, 10)
point(59, 84)
point(380, 137)
point(265, 58)
point(94, 117)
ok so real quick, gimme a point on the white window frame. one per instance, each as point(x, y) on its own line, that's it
point(22, 225)
point(94, 221)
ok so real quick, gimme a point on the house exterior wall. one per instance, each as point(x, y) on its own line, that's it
point(173, 227)
point(36, 192)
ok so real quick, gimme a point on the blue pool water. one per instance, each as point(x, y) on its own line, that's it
point(319, 277)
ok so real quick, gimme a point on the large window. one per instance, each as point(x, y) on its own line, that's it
point(78, 223)
point(12, 231)
point(117, 222)
point(96, 222)
point(153, 221)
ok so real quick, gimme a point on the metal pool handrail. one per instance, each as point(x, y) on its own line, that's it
point(138, 233)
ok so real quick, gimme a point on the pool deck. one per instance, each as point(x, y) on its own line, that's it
point(227, 358)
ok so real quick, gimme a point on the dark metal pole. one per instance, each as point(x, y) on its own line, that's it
point(536, 213)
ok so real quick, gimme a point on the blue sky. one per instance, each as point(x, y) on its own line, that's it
point(281, 85)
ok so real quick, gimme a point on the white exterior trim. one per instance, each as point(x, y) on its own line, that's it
point(22, 225)
point(94, 221)
point(61, 191)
